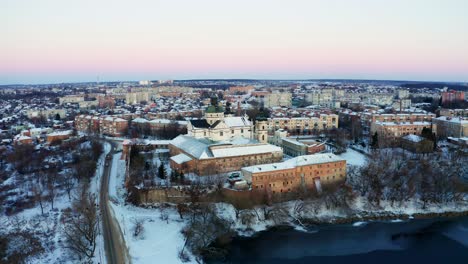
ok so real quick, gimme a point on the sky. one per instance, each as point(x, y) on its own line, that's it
point(54, 41)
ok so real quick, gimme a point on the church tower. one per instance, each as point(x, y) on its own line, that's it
point(214, 112)
point(261, 130)
point(261, 126)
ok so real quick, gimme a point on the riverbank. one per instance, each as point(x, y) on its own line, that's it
point(301, 214)
point(389, 216)
point(283, 233)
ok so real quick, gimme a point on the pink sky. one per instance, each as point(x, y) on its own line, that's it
point(53, 41)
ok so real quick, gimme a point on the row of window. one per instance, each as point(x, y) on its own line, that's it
point(291, 182)
point(291, 174)
point(221, 133)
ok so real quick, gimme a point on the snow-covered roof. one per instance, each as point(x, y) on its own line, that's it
point(205, 149)
point(61, 133)
point(139, 120)
point(453, 119)
point(19, 137)
point(244, 150)
point(236, 121)
point(181, 158)
point(293, 141)
point(413, 138)
point(192, 146)
point(160, 121)
point(403, 123)
point(295, 162)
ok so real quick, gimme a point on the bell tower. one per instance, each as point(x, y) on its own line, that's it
point(214, 112)
point(261, 130)
point(261, 126)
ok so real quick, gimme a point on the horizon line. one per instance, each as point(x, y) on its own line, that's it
point(241, 79)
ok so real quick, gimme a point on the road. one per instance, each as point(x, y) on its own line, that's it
point(114, 243)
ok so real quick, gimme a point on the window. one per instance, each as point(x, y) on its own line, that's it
point(232, 131)
point(242, 130)
point(221, 133)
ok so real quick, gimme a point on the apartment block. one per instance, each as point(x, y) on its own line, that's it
point(296, 125)
point(451, 126)
point(398, 129)
point(105, 125)
point(277, 99)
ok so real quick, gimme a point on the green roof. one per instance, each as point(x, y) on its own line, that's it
point(214, 109)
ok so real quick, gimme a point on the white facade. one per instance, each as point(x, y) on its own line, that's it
point(217, 127)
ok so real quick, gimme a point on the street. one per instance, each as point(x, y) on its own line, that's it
point(114, 244)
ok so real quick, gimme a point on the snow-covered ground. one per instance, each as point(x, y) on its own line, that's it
point(161, 239)
point(49, 227)
point(353, 157)
point(116, 180)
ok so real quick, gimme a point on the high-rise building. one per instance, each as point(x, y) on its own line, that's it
point(452, 97)
point(277, 99)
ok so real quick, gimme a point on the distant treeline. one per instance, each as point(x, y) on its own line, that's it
point(212, 86)
point(451, 86)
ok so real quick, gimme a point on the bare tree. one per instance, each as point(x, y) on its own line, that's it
point(51, 188)
point(204, 227)
point(82, 229)
point(37, 189)
point(69, 182)
point(138, 227)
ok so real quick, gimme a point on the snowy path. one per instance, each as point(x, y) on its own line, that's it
point(161, 240)
point(116, 251)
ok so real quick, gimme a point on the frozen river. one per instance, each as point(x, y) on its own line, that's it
point(415, 241)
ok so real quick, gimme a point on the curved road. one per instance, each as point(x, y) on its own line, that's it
point(114, 243)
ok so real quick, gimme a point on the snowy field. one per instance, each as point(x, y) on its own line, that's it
point(353, 157)
point(160, 239)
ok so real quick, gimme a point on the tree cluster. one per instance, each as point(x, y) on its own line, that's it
point(204, 228)
point(396, 176)
point(169, 131)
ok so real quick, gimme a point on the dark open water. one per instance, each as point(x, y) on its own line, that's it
point(415, 241)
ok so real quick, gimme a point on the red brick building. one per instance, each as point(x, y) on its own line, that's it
point(105, 125)
point(308, 172)
point(452, 97)
point(58, 136)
